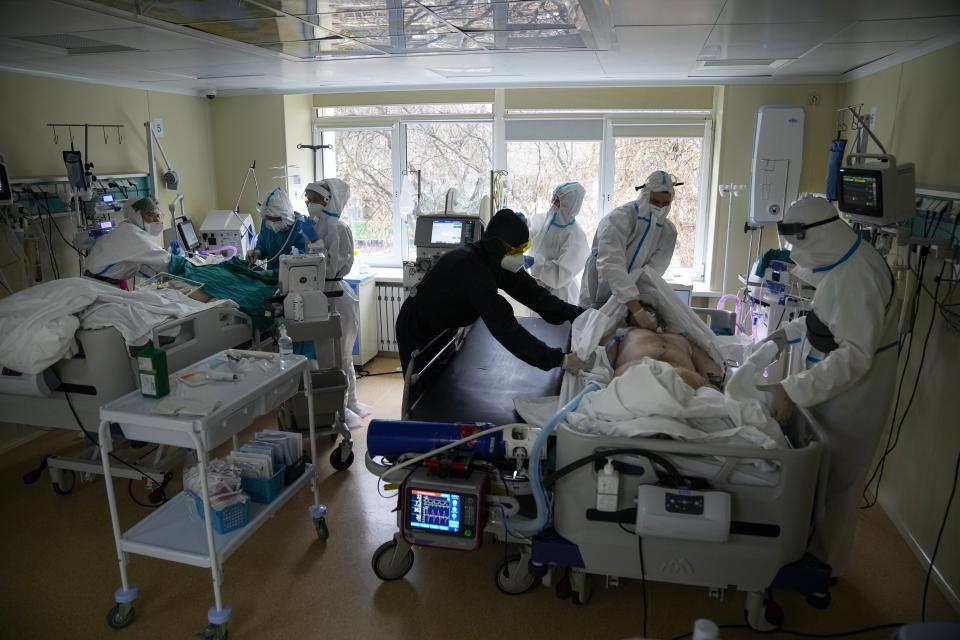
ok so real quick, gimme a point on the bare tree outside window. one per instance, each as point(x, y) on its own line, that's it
point(364, 161)
point(636, 158)
point(451, 154)
point(537, 168)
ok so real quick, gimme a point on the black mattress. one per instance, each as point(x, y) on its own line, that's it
point(481, 381)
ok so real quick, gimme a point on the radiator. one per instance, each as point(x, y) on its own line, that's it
point(389, 299)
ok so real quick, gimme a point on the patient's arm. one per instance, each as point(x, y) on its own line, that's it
point(703, 363)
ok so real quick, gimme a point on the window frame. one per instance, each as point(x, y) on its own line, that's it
point(611, 120)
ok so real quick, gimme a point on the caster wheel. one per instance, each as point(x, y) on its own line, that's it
point(338, 462)
point(582, 586)
point(215, 632)
point(323, 532)
point(513, 578)
point(120, 616)
point(818, 600)
point(65, 486)
point(563, 589)
point(391, 564)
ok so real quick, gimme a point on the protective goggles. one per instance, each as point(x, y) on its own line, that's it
point(517, 251)
point(798, 229)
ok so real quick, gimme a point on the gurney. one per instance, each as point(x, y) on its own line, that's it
point(759, 545)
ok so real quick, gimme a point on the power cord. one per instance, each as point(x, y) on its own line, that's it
point(936, 547)
point(161, 484)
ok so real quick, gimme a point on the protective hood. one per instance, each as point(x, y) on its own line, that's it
point(571, 196)
point(335, 191)
point(133, 210)
point(656, 182)
point(278, 205)
point(822, 247)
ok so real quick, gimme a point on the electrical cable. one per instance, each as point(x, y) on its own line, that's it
point(161, 484)
point(284, 245)
point(936, 547)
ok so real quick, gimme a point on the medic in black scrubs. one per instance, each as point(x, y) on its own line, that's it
point(463, 286)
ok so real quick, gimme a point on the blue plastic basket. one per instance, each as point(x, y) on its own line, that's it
point(226, 520)
point(264, 491)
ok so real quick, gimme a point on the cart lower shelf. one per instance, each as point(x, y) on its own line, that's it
point(176, 532)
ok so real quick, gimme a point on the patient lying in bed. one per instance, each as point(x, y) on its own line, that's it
point(628, 346)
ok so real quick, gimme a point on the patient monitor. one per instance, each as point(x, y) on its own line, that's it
point(301, 283)
point(879, 193)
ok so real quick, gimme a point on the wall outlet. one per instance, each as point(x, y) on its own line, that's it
point(813, 99)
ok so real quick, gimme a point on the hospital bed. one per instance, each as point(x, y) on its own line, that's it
point(103, 370)
point(761, 545)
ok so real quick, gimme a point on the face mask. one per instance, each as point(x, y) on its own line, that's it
point(153, 228)
point(315, 209)
point(660, 212)
point(512, 264)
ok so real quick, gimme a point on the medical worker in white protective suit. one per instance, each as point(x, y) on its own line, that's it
point(628, 238)
point(131, 248)
point(326, 201)
point(559, 248)
point(849, 350)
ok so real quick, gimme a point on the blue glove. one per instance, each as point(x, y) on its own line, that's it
point(527, 261)
point(309, 228)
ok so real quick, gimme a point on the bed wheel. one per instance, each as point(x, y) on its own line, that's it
point(63, 485)
point(819, 600)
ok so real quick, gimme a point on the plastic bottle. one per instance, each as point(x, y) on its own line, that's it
point(608, 487)
point(359, 263)
point(285, 347)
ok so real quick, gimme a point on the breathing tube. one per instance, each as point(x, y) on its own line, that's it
point(536, 525)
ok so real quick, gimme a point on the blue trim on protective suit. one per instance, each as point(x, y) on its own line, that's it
point(844, 258)
point(643, 238)
point(554, 223)
point(887, 347)
point(331, 214)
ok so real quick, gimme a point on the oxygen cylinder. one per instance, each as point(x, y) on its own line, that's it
point(393, 438)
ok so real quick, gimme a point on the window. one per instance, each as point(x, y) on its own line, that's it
point(678, 149)
point(364, 159)
point(465, 108)
point(537, 168)
point(448, 155)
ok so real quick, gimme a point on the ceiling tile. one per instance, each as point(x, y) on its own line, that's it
point(145, 38)
point(748, 11)
point(186, 11)
point(263, 30)
point(761, 41)
point(829, 59)
point(323, 48)
point(656, 12)
point(29, 18)
point(897, 30)
point(654, 50)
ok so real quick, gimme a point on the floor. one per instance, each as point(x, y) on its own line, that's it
point(60, 572)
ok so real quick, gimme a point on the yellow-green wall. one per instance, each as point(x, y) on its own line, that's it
point(247, 129)
point(298, 129)
point(734, 152)
point(916, 122)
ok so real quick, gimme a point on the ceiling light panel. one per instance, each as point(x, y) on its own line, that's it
point(263, 30)
point(531, 39)
point(326, 48)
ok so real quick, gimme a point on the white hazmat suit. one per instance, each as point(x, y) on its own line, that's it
point(336, 240)
point(628, 238)
point(131, 247)
point(560, 246)
point(847, 382)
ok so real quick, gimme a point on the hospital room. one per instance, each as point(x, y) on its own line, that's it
point(606, 319)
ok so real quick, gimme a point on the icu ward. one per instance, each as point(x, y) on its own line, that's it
point(479, 319)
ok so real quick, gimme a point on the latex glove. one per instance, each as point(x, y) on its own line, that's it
point(310, 230)
point(779, 338)
point(782, 405)
point(252, 256)
point(527, 262)
point(573, 364)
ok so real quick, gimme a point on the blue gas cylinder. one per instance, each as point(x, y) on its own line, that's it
point(393, 438)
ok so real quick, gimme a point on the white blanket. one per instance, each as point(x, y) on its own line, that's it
point(37, 325)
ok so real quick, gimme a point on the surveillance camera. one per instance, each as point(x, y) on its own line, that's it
point(210, 94)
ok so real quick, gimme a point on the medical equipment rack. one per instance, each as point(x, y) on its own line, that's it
point(172, 532)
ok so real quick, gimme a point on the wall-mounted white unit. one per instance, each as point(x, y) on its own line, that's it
point(777, 161)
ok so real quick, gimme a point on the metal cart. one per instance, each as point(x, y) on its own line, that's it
point(174, 532)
